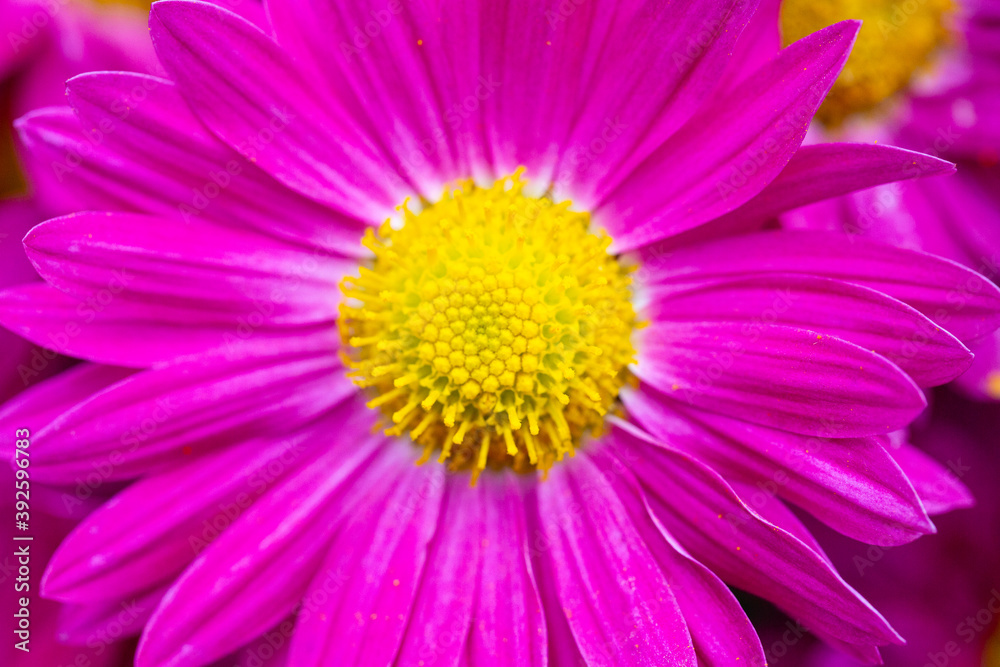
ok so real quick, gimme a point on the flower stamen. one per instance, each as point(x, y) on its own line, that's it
point(492, 326)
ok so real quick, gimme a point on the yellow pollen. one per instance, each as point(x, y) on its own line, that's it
point(897, 40)
point(492, 327)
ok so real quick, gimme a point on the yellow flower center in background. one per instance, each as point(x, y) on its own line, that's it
point(897, 40)
point(493, 327)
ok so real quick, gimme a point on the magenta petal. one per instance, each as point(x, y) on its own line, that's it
point(147, 534)
point(145, 421)
point(257, 571)
point(869, 319)
point(702, 171)
point(198, 272)
point(161, 159)
point(652, 72)
point(956, 298)
point(508, 625)
point(776, 512)
point(705, 516)
point(36, 407)
point(247, 90)
point(441, 620)
point(823, 171)
point(759, 43)
point(113, 331)
point(59, 323)
point(359, 600)
point(720, 630)
point(852, 485)
point(937, 485)
point(779, 376)
point(614, 596)
point(401, 79)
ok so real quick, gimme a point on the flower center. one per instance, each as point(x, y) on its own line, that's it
point(492, 326)
point(897, 39)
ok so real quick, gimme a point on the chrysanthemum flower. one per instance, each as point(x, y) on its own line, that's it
point(925, 76)
point(613, 378)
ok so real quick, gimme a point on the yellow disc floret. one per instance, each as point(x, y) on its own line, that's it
point(896, 40)
point(492, 326)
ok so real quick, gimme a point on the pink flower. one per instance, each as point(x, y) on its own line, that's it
point(623, 472)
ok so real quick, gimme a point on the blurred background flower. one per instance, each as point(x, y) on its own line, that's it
point(943, 594)
point(926, 76)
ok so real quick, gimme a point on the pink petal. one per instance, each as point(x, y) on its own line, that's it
point(937, 485)
point(441, 620)
point(780, 376)
point(852, 485)
point(147, 534)
point(705, 516)
point(252, 96)
point(99, 330)
point(730, 151)
point(615, 598)
point(399, 78)
point(720, 630)
point(257, 571)
point(650, 74)
point(146, 420)
point(853, 313)
point(360, 599)
point(823, 171)
point(956, 298)
point(198, 272)
point(508, 625)
point(36, 407)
